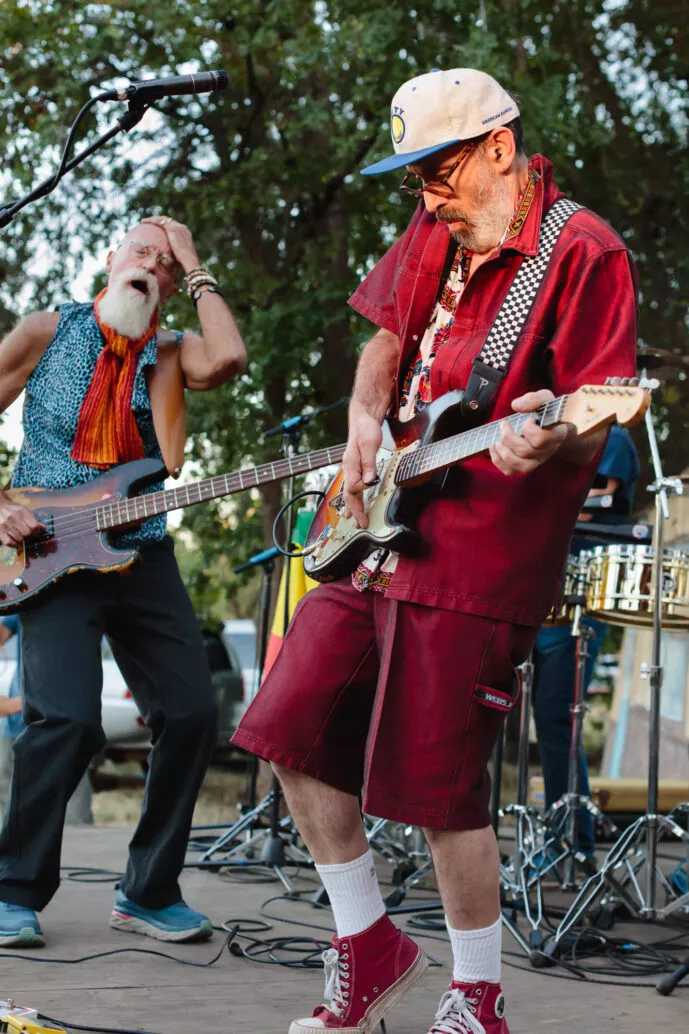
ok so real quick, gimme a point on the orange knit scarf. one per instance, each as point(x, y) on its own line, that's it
point(106, 431)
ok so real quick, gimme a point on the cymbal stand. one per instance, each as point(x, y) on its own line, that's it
point(635, 854)
point(520, 876)
point(563, 816)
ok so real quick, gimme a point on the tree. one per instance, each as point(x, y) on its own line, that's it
point(266, 174)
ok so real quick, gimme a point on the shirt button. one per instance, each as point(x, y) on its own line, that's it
point(415, 337)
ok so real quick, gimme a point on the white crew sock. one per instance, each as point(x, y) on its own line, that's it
point(354, 894)
point(476, 953)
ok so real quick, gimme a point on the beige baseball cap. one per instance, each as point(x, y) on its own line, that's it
point(441, 108)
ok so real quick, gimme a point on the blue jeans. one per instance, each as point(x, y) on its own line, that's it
point(554, 673)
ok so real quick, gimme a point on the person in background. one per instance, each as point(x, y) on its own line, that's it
point(555, 650)
point(11, 706)
point(10, 709)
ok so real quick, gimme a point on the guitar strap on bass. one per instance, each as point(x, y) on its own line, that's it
point(490, 365)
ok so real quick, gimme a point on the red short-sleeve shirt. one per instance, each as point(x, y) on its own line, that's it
point(495, 545)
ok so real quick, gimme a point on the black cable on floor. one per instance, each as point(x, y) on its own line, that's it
point(99, 1030)
point(25, 957)
point(90, 874)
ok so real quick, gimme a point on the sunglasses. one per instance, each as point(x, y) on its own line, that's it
point(440, 187)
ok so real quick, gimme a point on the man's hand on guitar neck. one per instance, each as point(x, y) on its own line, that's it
point(520, 454)
point(16, 522)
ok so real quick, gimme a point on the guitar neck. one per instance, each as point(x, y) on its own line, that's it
point(138, 508)
point(436, 456)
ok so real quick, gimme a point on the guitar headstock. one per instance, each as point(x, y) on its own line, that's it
point(619, 400)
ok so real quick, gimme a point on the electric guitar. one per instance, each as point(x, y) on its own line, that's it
point(425, 446)
point(77, 520)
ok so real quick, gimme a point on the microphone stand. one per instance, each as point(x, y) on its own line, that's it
point(273, 850)
point(123, 124)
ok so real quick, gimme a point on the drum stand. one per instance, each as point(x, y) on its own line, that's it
point(631, 868)
point(521, 875)
point(564, 815)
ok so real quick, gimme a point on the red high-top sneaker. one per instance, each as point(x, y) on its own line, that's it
point(365, 976)
point(477, 1008)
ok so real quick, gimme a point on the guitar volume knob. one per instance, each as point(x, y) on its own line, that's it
point(20, 584)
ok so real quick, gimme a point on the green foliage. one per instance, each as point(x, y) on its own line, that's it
point(266, 174)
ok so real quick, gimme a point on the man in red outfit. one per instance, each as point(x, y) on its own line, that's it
point(397, 681)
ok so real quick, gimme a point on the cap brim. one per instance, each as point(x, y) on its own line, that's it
point(398, 161)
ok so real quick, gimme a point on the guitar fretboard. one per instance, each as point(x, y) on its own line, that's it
point(428, 459)
point(138, 508)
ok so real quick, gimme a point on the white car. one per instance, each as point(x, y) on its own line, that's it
point(121, 718)
point(240, 633)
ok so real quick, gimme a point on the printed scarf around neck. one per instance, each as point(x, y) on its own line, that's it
point(106, 431)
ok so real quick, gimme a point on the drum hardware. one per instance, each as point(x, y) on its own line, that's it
point(564, 815)
point(630, 872)
point(522, 874)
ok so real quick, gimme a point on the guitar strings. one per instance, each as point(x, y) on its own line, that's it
point(415, 461)
point(73, 525)
point(70, 523)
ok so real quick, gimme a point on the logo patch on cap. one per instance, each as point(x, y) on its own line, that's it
point(500, 1006)
point(397, 125)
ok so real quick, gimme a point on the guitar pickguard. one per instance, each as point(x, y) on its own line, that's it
point(339, 533)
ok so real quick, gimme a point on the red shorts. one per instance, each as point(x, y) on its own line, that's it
point(402, 701)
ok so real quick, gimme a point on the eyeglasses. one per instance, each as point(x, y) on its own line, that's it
point(142, 251)
point(439, 187)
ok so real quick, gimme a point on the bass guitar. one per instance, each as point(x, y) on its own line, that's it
point(425, 446)
point(78, 520)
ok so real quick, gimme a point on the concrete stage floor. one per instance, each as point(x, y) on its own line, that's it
point(235, 995)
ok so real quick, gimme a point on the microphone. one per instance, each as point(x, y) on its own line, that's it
point(258, 558)
point(145, 91)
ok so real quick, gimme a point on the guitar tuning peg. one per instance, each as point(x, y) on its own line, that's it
point(607, 380)
point(614, 381)
point(634, 382)
point(624, 381)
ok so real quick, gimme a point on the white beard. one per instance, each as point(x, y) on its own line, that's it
point(124, 308)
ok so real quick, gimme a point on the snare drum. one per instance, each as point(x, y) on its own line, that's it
point(573, 584)
point(620, 590)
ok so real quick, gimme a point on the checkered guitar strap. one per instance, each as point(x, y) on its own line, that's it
point(490, 365)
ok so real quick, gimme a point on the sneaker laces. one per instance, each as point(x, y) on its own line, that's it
point(456, 1015)
point(336, 978)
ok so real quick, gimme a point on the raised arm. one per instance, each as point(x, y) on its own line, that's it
point(216, 354)
point(371, 397)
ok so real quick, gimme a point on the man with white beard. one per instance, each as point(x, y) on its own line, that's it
point(105, 386)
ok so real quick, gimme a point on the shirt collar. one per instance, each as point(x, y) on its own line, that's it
point(545, 193)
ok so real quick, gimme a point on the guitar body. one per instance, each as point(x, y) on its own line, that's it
point(335, 546)
point(72, 541)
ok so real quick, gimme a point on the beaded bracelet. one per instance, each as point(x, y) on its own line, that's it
point(208, 281)
point(192, 272)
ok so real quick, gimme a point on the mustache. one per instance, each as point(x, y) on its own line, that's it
point(452, 217)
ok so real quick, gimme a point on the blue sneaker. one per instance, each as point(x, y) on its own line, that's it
point(679, 881)
point(174, 923)
point(19, 927)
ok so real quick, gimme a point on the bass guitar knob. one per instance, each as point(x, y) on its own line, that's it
point(20, 584)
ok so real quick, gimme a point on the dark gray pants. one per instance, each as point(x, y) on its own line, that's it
point(148, 618)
